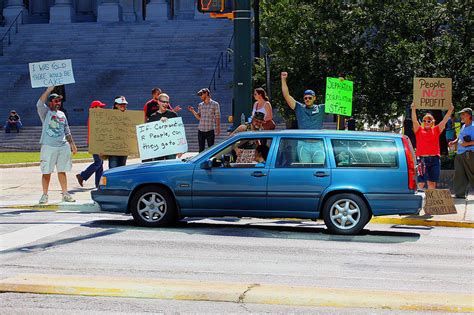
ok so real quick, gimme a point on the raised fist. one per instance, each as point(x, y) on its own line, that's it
point(284, 75)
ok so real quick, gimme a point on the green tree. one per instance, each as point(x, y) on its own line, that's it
point(380, 45)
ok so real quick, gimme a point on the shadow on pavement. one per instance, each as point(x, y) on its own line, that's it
point(48, 245)
point(270, 229)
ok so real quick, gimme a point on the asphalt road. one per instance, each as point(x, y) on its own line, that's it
point(417, 260)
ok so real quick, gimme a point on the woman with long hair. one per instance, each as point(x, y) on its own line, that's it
point(262, 114)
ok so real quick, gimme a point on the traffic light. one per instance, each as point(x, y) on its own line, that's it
point(211, 6)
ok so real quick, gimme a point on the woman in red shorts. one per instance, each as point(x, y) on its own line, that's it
point(427, 147)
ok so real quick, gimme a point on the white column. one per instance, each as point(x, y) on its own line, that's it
point(11, 10)
point(62, 12)
point(108, 11)
point(157, 10)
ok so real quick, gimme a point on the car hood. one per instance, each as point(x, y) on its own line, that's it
point(149, 166)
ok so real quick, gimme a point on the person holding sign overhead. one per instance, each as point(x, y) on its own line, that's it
point(427, 147)
point(56, 143)
point(120, 103)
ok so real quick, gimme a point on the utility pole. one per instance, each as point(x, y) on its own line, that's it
point(242, 61)
point(256, 16)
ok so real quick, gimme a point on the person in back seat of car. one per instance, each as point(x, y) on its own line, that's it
point(427, 147)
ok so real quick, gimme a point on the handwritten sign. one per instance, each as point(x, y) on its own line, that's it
point(339, 96)
point(113, 132)
point(432, 93)
point(245, 156)
point(439, 201)
point(157, 139)
point(51, 73)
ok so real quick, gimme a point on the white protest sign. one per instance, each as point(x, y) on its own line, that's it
point(157, 139)
point(51, 73)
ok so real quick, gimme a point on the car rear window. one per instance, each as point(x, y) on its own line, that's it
point(364, 153)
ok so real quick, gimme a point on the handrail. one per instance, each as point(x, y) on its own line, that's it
point(220, 63)
point(8, 33)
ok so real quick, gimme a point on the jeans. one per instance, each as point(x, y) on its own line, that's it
point(96, 167)
point(16, 125)
point(311, 152)
point(116, 161)
point(205, 135)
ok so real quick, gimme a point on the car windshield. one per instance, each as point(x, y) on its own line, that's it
point(196, 157)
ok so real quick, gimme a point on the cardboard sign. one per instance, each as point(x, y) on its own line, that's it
point(439, 201)
point(157, 139)
point(51, 73)
point(339, 96)
point(432, 93)
point(245, 156)
point(113, 132)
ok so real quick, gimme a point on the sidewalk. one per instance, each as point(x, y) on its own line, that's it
point(21, 188)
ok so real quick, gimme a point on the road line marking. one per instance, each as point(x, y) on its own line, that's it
point(237, 292)
point(34, 233)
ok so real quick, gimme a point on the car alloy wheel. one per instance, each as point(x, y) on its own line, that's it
point(152, 207)
point(345, 214)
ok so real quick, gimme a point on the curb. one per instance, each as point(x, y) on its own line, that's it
point(73, 207)
point(422, 222)
point(237, 292)
point(30, 164)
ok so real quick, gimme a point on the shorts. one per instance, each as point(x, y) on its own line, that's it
point(59, 157)
point(429, 168)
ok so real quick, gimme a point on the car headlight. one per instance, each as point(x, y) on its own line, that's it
point(103, 181)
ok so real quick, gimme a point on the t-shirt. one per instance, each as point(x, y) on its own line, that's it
point(55, 126)
point(14, 117)
point(427, 141)
point(151, 107)
point(157, 115)
point(309, 117)
point(465, 131)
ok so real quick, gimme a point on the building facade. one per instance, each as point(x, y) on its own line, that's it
point(76, 11)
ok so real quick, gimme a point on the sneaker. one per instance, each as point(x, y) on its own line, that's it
point(44, 199)
point(80, 180)
point(67, 198)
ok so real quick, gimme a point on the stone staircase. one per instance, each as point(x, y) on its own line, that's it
point(113, 59)
point(27, 139)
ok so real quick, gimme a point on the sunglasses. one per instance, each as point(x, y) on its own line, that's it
point(427, 121)
point(166, 102)
point(308, 98)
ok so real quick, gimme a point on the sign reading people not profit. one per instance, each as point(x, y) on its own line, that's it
point(432, 93)
point(112, 132)
point(339, 96)
point(157, 139)
point(51, 73)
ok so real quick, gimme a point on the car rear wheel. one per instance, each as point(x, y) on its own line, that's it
point(345, 214)
point(153, 206)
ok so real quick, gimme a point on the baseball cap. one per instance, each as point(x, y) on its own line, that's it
point(121, 100)
point(466, 110)
point(96, 104)
point(54, 96)
point(204, 90)
point(13, 111)
point(309, 92)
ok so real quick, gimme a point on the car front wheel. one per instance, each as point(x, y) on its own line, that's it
point(345, 214)
point(153, 206)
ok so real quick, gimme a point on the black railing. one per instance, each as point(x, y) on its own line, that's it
point(225, 57)
point(8, 32)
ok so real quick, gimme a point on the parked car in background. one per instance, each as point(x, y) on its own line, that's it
point(344, 178)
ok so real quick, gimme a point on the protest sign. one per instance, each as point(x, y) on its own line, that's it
point(339, 96)
point(439, 201)
point(245, 156)
point(432, 93)
point(113, 132)
point(157, 139)
point(51, 73)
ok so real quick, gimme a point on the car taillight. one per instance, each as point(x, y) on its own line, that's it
point(410, 156)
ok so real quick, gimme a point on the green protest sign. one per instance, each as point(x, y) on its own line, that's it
point(339, 96)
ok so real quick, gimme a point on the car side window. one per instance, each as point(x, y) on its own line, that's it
point(244, 153)
point(301, 153)
point(364, 153)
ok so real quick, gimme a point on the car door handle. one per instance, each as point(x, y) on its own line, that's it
point(321, 174)
point(258, 174)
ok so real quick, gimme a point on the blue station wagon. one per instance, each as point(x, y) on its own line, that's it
point(344, 178)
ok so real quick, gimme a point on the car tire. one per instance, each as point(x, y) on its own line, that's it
point(153, 206)
point(345, 214)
